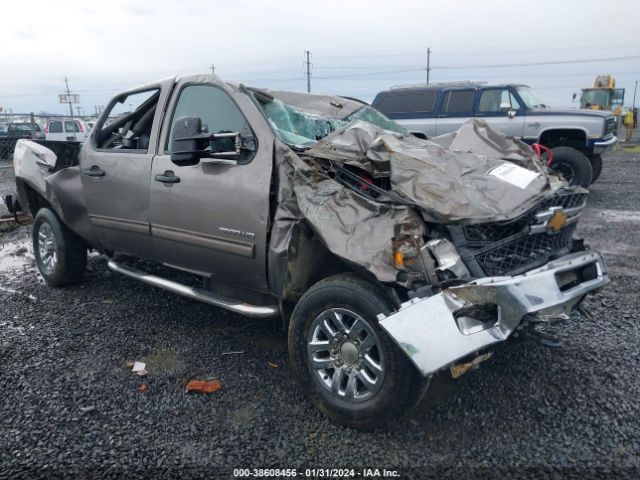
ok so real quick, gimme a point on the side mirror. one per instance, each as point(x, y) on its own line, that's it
point(185, 148)
point(508, 109)
point(192, 142)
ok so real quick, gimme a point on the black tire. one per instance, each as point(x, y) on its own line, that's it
point(596, 167)
point(67, 249)
point(401, 384)
point(574, 165)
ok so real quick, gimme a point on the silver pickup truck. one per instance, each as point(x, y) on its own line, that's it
point(389, 258)
point(578, 138)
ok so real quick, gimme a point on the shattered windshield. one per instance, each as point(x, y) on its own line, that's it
point(295, 126)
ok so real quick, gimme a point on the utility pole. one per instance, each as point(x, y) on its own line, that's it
point(634, 95)
point(428, 64)
point(308, 71)
point(213, 69)
point(66, 82)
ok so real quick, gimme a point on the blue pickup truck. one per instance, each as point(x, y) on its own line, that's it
point(578, 138)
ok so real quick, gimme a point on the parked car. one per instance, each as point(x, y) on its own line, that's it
point(578, 138)
point(67, 129)
point(387, 257)
point(16, 131)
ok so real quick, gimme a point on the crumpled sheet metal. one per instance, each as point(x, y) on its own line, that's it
point(449, 186)
point(352, 227)
point(476, 136)
point(339, 107)
point(63, 189)
point(427, 331)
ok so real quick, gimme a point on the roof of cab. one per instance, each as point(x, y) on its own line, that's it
point(442, 85)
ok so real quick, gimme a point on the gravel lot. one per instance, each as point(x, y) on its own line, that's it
point(70, 406)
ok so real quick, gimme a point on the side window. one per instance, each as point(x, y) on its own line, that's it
point(458, 101)
point(71, 126)
point(55, 127)
point(128, 123)
point(491, 100)
point(215, 108)
point(401, 102)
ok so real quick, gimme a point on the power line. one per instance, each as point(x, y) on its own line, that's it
point(536, 64)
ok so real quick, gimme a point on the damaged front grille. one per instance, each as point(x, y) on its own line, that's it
point(494, 232)
point(512, 247)
point(511, 256)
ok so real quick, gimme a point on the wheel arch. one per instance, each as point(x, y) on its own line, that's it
point(310, 261)
point(555, 137)
point(31, 198)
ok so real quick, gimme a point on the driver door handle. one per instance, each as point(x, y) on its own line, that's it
point(94, 171)
point(167, 177)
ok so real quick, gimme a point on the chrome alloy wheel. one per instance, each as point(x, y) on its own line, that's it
point(47, 248)
point(346, 355)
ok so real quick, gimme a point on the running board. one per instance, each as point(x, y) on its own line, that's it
point(199, 294)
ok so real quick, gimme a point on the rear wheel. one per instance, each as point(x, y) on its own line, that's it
point(573, 165)
point(61, 256)
point(347, 364)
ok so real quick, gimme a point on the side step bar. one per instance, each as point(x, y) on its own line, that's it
point(199, 294)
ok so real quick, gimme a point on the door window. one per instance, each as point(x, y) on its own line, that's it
point(458, 101)
point(55, 127)
point(491, 100)
point(128, 124)
point(215, 108)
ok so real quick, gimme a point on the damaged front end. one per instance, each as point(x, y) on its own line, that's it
point(437, 331)
point(471, 230)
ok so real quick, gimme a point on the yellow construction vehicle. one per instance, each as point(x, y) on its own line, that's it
point(603, 95)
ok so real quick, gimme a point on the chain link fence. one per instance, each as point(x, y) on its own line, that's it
point(15, 126)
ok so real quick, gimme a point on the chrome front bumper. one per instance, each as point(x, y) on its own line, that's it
point(604, 146)
point(438, 330)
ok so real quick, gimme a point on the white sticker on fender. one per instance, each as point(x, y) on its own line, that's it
point(513, 174)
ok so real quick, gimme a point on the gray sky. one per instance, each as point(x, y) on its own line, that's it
point(358, 47)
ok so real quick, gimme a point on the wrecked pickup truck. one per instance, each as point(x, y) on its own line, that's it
point(389, 258)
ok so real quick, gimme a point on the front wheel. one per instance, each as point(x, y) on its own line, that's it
point(61, 256)
point(573, 165)
point(349, 367)
point(596, 166)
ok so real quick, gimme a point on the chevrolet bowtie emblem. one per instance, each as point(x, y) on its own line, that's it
point(557, 221)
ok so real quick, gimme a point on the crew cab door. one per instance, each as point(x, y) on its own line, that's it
point(501, 110)
point(456, 107)
point(212, 218)
point(116, 167)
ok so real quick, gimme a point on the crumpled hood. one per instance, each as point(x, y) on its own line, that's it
point(500, 180)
